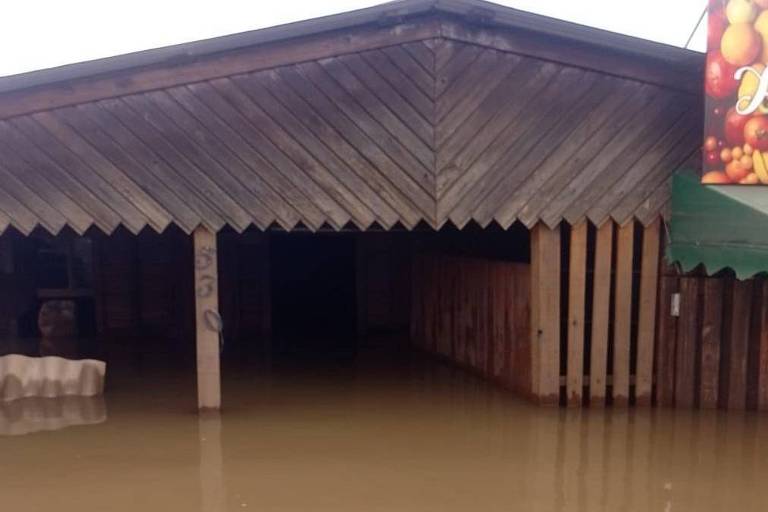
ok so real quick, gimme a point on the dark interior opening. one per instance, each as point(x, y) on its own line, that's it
point(313, 294)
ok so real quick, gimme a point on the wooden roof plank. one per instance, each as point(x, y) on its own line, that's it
point(631, 156)
point(456, 153)
point(81, 120)
point(454, 112)
point(487, 146)
point(403, 82)
point(22, 145)
point(330, 198)
point(253, 207)
point(170, 73)
point(624, 141)
point(155, 214)
point(288, 133)
point(561, 158)
point(208, 189)
point(420, 71)
point(498, 204)
point(129, 214)
point(125, 139)
point(455, 65)
point(406, 135)
point(583, 155)
point(324, 143)
point(313, 203)
point(655, 205)
point(267, 204)
point(422, 54)
point(642, 170)
point(21, 217)
point(350, 107)
point(51, 194)
point(289, 79)
point(679, 157)
point(48, 217)
point(518, 140)
point(233, 138)
point(393, 99)
point(679, 76)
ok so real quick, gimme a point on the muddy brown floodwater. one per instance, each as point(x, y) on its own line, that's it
point(405, 436)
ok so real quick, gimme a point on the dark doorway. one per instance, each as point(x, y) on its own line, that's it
point(313, 294)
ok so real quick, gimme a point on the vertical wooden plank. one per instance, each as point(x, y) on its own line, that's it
point(601, 299)
point(667, 338)
point(208, 321)
point(762, 377)
point(687, 335)
point(577, 291)
point(711, 338)
point(646, 331)
point(737, 346)
point(545, 313)
point(623, 314)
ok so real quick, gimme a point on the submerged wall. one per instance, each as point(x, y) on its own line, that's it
point(475, 313)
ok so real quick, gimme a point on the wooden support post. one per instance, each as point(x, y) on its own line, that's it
point(545, 314)
point(687, 337)
point(667, 339)
point(623, 315)
point(208, 321)
point(601, 305)
point(577, 291)
point(736, 348)
point(646, 332)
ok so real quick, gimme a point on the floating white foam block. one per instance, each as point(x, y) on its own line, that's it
point(23, 376)
point(36, 414)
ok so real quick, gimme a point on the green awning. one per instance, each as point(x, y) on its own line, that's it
point(719, 226)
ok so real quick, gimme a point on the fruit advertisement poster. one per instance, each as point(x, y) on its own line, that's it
point(736, 85)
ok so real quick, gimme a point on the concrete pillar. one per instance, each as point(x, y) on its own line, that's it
point(208, 321)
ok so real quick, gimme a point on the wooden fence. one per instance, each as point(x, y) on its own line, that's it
point(715, 353)
point(475, 313)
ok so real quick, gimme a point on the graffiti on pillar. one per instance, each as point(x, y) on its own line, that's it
point(205, 264)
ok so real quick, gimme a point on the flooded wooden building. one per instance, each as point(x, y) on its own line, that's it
point(481, 184)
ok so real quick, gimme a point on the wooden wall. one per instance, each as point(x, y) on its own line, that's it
point(715, 353)
point(606, 312)
point(144, 292)
point(475, 313)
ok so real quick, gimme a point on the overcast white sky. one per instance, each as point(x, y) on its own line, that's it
point(38, 34)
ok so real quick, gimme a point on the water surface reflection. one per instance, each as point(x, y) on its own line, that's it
point(408, 437)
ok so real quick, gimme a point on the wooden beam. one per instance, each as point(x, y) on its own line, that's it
point(623, 314)
point(208, 321)
point(601, 302)
point(667, 339)
point(736, 347)
point(170, 74)
point(671, 76)
point(545, 314)
point(687, 339)
point(646, 332)
point(577, 292)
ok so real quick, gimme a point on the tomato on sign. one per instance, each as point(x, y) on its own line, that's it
point(736, 84)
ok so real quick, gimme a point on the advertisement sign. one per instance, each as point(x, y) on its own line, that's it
point(736, 85)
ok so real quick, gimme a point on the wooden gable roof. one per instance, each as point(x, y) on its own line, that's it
point(414, 111)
